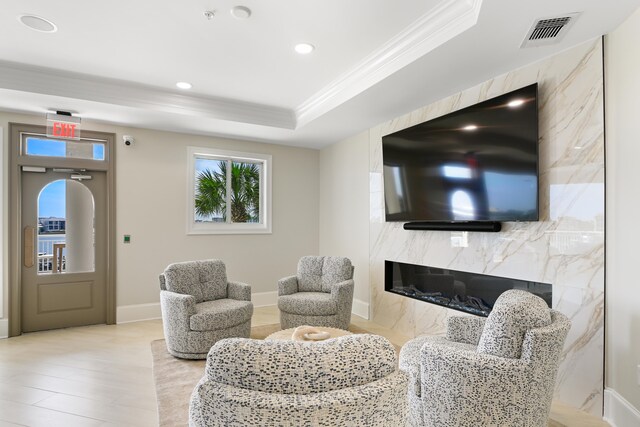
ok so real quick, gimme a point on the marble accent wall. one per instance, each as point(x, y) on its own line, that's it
point(565, 248)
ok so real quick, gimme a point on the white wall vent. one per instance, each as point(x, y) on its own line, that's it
point(546, 31)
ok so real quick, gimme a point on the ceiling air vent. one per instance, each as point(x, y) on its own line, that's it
point(549, 30)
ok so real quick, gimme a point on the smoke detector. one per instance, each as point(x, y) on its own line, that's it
point(547, 31)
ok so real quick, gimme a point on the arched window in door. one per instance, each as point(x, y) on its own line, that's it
point(66, 235)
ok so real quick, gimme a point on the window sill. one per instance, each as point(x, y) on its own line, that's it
point(229, 229)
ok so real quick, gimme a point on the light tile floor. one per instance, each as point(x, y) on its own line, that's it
point(101, 375)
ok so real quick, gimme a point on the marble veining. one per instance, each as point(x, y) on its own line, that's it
point(565, 248)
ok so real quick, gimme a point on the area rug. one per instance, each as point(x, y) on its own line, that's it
point(176, 378)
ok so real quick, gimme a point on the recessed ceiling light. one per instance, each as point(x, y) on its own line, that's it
point(515, 103)
point(241, 12)
point(304, 48)
point(38, 23)
point(184, 85)
point(470, 127)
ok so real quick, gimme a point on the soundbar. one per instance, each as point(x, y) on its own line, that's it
point(488, 226)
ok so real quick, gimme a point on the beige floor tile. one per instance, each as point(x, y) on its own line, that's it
point(570, 417)
point(147, 401)
point(140, 377)
point(63, 386)
point(32, 416)
point(265, 316)
point(19, 394)
point(37, 367)
point(97, 410)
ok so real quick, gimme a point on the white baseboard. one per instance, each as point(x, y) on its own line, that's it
point(4, 328)
point(360, 308)
point(138, 312)
point(618, 411)
point(263, 299)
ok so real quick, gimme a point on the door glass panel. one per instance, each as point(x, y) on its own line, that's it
point(245, 192)
point(66, 231)
point(211, 190)
point(34, 146)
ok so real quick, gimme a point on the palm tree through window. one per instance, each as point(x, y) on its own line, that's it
point(228, 188)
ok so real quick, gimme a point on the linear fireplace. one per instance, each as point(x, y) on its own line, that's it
point(470, 292)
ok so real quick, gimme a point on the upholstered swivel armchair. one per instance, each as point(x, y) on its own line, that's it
point(347, 381)
point(498, 371)
point(320, 295)
point(199, 307)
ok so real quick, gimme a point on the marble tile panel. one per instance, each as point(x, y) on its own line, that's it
point(565, 248)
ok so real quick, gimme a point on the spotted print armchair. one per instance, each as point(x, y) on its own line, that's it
point(349, 381)
point(199, 307)
point(498, 371)
point(321, 294)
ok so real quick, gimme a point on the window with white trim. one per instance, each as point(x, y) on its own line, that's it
point(229, 192)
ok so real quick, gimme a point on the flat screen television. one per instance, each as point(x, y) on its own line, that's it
point(479, 163)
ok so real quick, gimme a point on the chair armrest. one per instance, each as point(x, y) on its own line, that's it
point(163, 282)
point(447, 371)
point(546, 343)
point(342, 291)
point(465, 329)
point(410, 362)
point(177, 308)
point(239, 291)
point(287, 286)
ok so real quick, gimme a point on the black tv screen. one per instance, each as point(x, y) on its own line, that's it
point(475, 164)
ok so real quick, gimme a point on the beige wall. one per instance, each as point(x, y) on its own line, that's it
point(151, 184)
point(622, 73)
point(344, 210)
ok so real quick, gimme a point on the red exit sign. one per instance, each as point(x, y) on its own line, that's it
point(62, 126)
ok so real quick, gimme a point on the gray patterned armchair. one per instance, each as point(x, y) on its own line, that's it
point(498, 371)
point(199, 307)
point(321, 294)
point(350, 381)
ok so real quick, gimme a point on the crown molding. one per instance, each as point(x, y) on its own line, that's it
point(48, 81)
point(445, 21)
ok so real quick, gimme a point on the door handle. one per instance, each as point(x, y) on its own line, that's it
point(29, 244)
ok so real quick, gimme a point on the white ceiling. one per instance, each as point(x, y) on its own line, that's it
point(118, 61)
